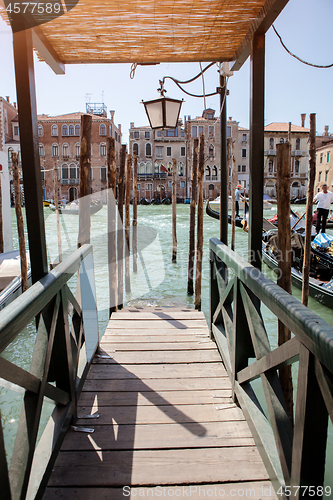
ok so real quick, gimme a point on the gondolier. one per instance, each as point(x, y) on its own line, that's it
point(238, 197)
point(324, 198)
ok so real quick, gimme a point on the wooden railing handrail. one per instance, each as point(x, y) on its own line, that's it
point(306, 325)
point(18, 314)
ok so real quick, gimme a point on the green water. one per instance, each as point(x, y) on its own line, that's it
point(159, 282)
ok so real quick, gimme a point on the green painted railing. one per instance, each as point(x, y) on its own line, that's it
point(66, 341)
point(294, 454)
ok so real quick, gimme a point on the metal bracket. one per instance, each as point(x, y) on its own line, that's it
point(94, 415)
point(87, 430)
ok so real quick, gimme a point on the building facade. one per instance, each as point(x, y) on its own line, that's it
point(59, 148)
point(155, 150)
point(277, 133)
point(324, 166)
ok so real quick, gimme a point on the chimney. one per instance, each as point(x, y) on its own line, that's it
point(326, 131)
point(15, 105)
point(119, 128)
point(230, 118)
point(303, 115)
point(132, 125)
point(112, 114)
point(7, 97)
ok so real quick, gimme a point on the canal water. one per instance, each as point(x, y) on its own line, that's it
point(159, 282)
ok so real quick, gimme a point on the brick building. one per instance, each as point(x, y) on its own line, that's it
point(59, 147)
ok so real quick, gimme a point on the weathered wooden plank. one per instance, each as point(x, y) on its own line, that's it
point(157, 467)
point(98, 371)
point(256, 490)
point(160, 436)
point(168, 397)
point(160, 356)
point(161, 414)
point(146, 385)
point(155, 323)
point(157, 315)
point(112, 344)
point(161, 332)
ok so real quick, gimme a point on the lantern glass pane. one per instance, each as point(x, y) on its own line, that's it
point(172, 109)
point(155, 114)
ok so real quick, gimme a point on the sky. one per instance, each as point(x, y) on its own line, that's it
point(292, 88)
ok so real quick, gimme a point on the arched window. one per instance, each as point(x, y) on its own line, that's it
point(40, 130)
point(102, 129)
point(296, 166)
point(77, 130)
point(136, 149)
point(170, 168)
point(298, 144)
point(54, 130)
point(156, 168)
point(77, 150)
point(65, 150)
point(64, 130)
point(71, 130)
point(211, 150)
point(64, 171)
point(148, 168)
point(55, 150)
point(211, 187)
point(181, 169)
point(214, 173)
point(271, 143)
point(142, 168)
point(102, 149)
point(207, 173)
point(41, 150)
point(281, 140)
point(148, 149)
point(270, 166)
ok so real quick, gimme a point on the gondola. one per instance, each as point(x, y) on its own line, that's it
point(321, 270)
point(216, 215)
point(75, 211)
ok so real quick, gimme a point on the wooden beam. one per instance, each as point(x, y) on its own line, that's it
point(27, 111)
point(46, 51)
point(256, 182)
point(270, 11)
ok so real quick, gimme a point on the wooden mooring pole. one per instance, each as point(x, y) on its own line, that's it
point(20, 225)
point(135, 215)
point(127, 222)
point(308, 216)
point(85, 180)
point(191, 251)
point(234, 181)
point(112, 226)
point(285, 259)
point(198, 267)
point(174, 210)
point(120, 231)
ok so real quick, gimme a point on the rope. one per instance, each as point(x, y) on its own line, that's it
point(298, 58)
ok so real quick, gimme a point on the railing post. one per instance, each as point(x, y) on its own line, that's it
point(310, 432)
point(213, 290)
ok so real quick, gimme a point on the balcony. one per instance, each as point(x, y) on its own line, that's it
point(270, 152)
point(65, 157)
point(73, 181)
point(160, 175)
point(145, 177)
point(214, 177)
point(64, 181)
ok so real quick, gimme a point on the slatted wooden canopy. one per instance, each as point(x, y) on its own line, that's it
point(152, 31)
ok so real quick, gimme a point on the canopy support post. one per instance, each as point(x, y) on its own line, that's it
point(27, 111)
point(224, 164)
point(256, 181)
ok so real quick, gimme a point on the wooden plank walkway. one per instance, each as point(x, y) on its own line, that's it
point(166, 418)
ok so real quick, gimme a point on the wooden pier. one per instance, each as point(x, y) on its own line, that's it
point(166, 418)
